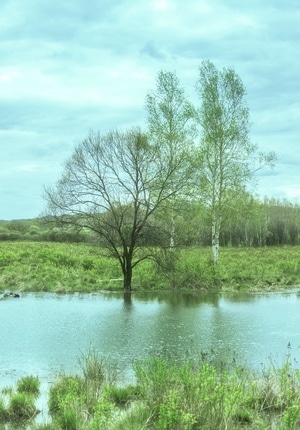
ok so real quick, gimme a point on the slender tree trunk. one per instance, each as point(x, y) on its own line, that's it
point(215, 238)
point(172, 234)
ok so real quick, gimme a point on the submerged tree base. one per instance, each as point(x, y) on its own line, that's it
point(167, 396)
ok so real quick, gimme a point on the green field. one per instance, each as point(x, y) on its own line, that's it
point(60, 267)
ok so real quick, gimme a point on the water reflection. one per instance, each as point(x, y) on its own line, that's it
point(43, 333)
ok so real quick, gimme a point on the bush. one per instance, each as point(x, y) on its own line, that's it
point(66, 390)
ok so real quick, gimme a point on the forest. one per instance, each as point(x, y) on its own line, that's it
point(252, 223)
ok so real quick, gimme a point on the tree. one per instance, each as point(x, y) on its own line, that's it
point(228, 160)
point(170, 128)
point(112, 185)
point(246, 221)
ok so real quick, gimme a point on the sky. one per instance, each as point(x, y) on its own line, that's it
point(71, 66)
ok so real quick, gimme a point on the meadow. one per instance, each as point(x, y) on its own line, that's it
point(67, 268)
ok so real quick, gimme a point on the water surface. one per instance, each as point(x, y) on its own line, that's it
point(41, 334)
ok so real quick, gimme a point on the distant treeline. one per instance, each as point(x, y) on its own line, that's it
point(250, 223)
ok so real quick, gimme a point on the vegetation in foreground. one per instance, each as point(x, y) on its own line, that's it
point(19, 405)
point(165, 396)
point(68, 268)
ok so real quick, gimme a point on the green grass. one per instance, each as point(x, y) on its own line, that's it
point(21, 406)
point(169, 396)
point(67, 268)
point(29, 384)
point(18, 406)
point(54, 267)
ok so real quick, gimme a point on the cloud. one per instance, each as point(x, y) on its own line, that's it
point(70, 66)
point(153, 51)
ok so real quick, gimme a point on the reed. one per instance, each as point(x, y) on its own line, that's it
point(168, 396)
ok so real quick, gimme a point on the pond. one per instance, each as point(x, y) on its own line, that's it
point(41, 334)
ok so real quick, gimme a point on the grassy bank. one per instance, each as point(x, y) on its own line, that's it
point(166, 396)
point(57, 267)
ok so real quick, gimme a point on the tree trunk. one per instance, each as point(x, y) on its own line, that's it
point(127, 282)
point(172, 234)
point(127, 276)
point(215, 238)
point(127, 300)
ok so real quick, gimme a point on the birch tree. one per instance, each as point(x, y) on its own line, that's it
point(227, 156)
point(171, 130)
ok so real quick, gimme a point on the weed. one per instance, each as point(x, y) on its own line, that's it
point(291, 417)
point(21, 406)
point(168, 396)
point(64, 391)
point(29, 384)
point(3, 411)
point(92, 367)
point(102, 414)
point(68, 419)
point(121, 396)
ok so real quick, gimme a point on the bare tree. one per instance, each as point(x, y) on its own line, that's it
point(112, 185)
point(228, 159)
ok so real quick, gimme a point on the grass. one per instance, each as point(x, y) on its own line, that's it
point(29, 384)
point(172, 396)
point(67, 268)
point(18, 406)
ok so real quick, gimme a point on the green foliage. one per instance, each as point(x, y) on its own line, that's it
point(21, 406)
point(46, 426)
point(201, 397)
point(29, 384)
point(92, 367)
point(247, 221)
point(68, 419)
point(171, 416)
point(84, 402)
point(3, 410)
point(66, 402)
point(102, 414)
point(69, 268)
point(123, 395)
point(291, 417)
point(64, 392)
point(39, 230)
point(33, 266)
point(167, 396)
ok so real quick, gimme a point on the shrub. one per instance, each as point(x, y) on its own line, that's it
point(65, 391)
point(102, 414)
